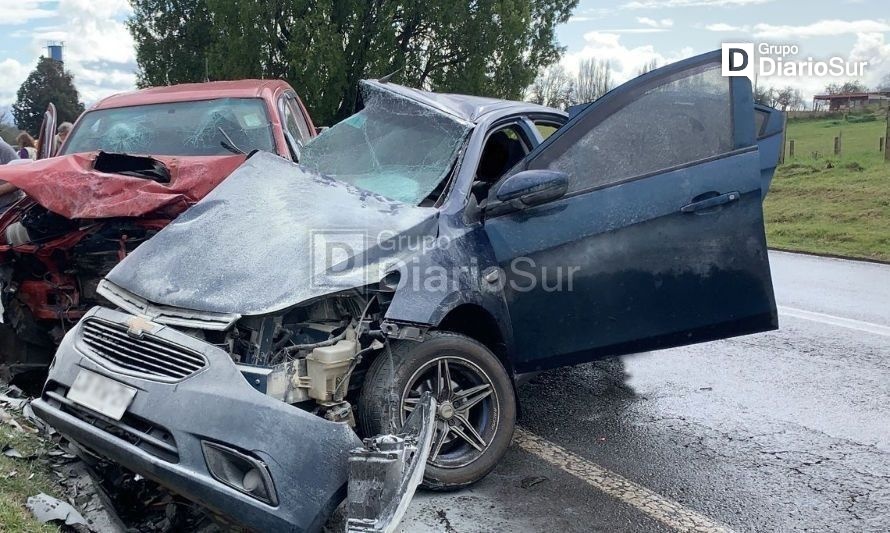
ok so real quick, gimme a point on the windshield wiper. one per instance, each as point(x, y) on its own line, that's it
point(229, 144)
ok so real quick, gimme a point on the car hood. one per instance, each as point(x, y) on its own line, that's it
point(70, 186)
point(272, 235)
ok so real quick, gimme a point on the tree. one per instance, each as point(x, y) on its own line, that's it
point(594, 79)
point(788, 99)
point(648, 66)
point(765, 95)
point(48, 83)
point(554, 87)
point(8, 131)
point(324, 47)
point(173, 38)
point(884, 85)
point(853, 86)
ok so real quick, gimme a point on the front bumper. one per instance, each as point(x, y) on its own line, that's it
point(160, 435)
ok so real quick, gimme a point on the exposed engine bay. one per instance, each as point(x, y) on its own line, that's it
point(310, 355)
point(52, 266)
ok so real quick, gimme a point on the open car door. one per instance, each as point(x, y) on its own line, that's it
point(46, 140)
point(769, 127)
point(658, 240)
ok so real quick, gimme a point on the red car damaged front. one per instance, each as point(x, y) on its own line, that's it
point(72, 226)
point(131, 164)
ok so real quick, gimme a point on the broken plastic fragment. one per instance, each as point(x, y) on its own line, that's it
point(9, 451)
point(45, 509)
point(384, 474)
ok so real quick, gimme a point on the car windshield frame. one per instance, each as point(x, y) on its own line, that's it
point(206, 136)
point(433, 138)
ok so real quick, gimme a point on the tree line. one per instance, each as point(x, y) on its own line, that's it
point(324, 47)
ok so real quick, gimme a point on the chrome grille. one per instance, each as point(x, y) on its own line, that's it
point(147, 356)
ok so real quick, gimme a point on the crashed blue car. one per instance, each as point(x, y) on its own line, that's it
point(394, 286)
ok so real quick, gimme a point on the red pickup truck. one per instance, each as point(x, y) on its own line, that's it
point(131, 164)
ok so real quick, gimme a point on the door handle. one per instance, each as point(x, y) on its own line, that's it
point(710, 202)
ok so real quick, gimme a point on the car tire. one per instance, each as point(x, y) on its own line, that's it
point(469, 440)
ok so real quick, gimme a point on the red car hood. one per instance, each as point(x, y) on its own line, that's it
point(70, 186)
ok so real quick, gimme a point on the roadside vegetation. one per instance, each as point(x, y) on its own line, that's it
point(24, 472)
point(827, 204)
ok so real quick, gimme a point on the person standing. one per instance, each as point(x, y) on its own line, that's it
point(63, 131)
point(27, 146)
point(7, 153)
point(8, 193)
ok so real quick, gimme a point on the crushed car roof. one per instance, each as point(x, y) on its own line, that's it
point(462, 106)
point(187, 92)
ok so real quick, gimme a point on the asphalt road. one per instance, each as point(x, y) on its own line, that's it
point(782, 431)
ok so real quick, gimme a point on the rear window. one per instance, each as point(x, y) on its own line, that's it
point(179, 128)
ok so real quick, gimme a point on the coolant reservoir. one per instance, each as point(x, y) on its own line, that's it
point(325, 365)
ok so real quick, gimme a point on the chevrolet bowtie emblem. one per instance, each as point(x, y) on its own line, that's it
point(137, 326)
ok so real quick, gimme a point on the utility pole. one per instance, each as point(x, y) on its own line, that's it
point(887, 137)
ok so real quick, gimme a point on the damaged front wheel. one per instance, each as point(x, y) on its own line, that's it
point(476, 410)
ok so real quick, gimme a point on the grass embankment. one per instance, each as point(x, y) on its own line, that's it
point(825, 204)
point(21, 478)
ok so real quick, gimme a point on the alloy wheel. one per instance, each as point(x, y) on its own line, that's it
point(467, 412)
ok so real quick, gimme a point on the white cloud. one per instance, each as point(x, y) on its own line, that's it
point(722, 27)
point(99, 50)
point(821, 28)
point(636, 30)
point(655, 4)
point(872, 47)
point(12, 74)
point(663, 23)
point(625, 61)
point(15, 13)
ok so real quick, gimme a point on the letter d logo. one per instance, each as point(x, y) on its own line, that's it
point(738, 60)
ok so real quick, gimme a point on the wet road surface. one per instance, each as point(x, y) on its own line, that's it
point(782, 431)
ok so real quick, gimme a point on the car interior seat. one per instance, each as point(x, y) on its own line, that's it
point(500, 154)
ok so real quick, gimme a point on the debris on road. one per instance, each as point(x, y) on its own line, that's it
point(531, 481)
point(48, 509)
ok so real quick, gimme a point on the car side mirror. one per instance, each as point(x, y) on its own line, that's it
point(533, 187)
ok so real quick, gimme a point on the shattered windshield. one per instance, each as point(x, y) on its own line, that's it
point(176, 128)
point(395, 147)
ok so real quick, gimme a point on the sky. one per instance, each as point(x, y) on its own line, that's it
point(628, 33)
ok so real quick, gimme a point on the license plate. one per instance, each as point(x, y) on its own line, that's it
point(101, 394)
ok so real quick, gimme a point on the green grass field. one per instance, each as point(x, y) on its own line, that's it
point(821, 203)
point(21, 478)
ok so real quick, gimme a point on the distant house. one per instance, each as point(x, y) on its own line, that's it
point(838, 102)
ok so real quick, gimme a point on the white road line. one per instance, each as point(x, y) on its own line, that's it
point(849, 323)
point(663, 509)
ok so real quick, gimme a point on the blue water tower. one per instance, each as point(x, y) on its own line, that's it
point(55, 50)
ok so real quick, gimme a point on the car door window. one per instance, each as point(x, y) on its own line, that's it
point(684, 118)
point(546, 129)
point(294, 123)
point(504, 148)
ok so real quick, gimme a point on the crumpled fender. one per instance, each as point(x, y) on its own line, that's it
point(69, 185)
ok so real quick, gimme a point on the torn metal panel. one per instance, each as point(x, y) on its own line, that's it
point(265, 248)
point(71, 186)
point(384, 474)
point(461, 106)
